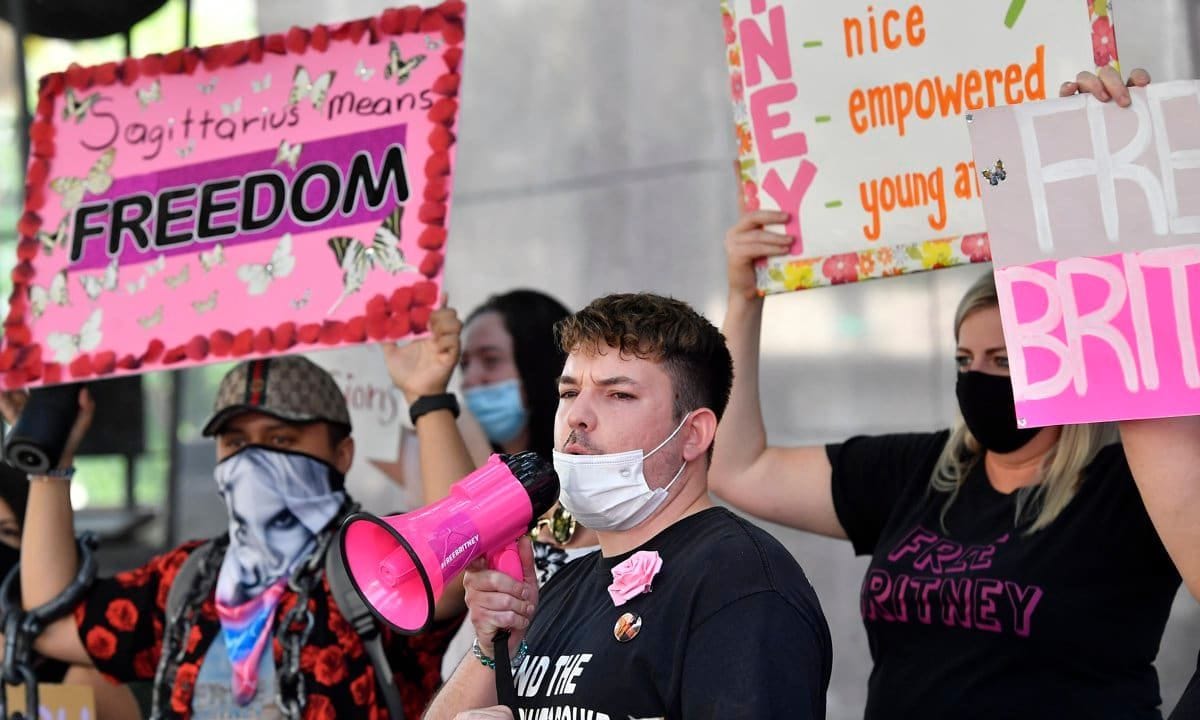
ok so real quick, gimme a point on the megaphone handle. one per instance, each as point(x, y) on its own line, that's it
point(506, 690)
point(508, 561)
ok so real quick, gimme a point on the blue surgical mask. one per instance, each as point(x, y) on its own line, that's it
point(499, 409)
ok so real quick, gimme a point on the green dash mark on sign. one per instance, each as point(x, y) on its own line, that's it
point(833, 204)
point(1014, 12)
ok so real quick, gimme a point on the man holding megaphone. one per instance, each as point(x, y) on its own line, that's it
point(688, 610)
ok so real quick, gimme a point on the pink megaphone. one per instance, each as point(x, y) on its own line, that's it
point(401, 563)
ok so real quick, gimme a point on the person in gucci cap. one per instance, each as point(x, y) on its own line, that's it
point(245, 625)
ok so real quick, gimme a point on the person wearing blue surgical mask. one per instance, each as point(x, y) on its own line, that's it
point(510, 359)
point(509, 362)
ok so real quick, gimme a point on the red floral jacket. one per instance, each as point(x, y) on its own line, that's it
point(121, 625)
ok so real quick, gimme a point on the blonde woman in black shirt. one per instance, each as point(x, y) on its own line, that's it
point(1014, 572)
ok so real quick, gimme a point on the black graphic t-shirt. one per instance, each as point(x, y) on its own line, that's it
point(731, 629)
point(978, 619)
point(1189, 705)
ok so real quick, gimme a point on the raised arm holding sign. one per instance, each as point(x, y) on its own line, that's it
point(989, 542)
point(1098, 307)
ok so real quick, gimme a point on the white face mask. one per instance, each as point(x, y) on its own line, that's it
point(609, 492)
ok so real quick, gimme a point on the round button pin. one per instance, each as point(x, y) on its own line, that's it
point(628, 626)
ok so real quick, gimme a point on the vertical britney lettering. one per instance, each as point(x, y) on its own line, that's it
point(788, 174)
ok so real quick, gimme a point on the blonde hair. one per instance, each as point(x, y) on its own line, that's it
point(1061, 472)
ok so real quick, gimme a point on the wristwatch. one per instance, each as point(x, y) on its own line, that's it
point(429, 403)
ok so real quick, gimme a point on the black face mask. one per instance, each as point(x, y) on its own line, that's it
point(9, 556)
point(988, 408)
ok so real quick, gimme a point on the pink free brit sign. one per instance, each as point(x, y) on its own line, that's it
point(257, 198)
point(1095, 224)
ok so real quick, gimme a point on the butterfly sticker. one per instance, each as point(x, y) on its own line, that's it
point(398, 67)
point(56, 292)
point(258, 277)
point(206, 304)
point(150, 94)
point(208, 87)
point(178, 279)
point(356, 259)
point(186, 150)
point(996, 175)
point(152, 320)
point(230, 108)
point(66, 346)
point(74, 108)
point(259, 85)
point(156, 266)
point(209, 259)
point(300, 302)
point(289, 154)
point(56, 239)
point(305, 88)
point(363, 72)
point(151, 269)
point(95, 285)
point(98, 180)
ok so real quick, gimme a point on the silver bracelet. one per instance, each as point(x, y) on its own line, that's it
point(55, 474)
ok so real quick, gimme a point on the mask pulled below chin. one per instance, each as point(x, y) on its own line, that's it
point(989, 410)
point(609, 493)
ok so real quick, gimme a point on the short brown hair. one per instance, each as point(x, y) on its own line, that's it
point(652, 327)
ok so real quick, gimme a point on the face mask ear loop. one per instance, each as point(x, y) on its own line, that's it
point(678, 474)
point(669, 437)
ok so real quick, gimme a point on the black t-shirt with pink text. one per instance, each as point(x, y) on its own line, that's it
point(731, 628)
point(972, 616)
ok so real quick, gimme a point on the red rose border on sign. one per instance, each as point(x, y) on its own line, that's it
point(405, 311)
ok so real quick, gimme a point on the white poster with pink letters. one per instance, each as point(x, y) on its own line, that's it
point(1095, 228)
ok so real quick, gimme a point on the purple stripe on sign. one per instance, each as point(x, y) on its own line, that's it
point(336, 151)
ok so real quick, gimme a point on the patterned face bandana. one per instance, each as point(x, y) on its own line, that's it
point(278, 502)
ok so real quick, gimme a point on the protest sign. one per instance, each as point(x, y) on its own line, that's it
point(256, 198)
point(55, 702)
point(386, 475)
point(850, 117)
point(378, 412)
point(1095, 222)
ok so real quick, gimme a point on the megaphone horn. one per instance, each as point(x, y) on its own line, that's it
point(400, 564)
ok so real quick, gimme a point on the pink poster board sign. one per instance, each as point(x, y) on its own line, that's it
point(258, 198)
point(1095, 227)
point(849, 117)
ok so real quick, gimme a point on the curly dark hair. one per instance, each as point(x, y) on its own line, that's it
point(529, 317)
point(652, 327)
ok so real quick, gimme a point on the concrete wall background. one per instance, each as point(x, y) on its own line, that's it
point(595, 156)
